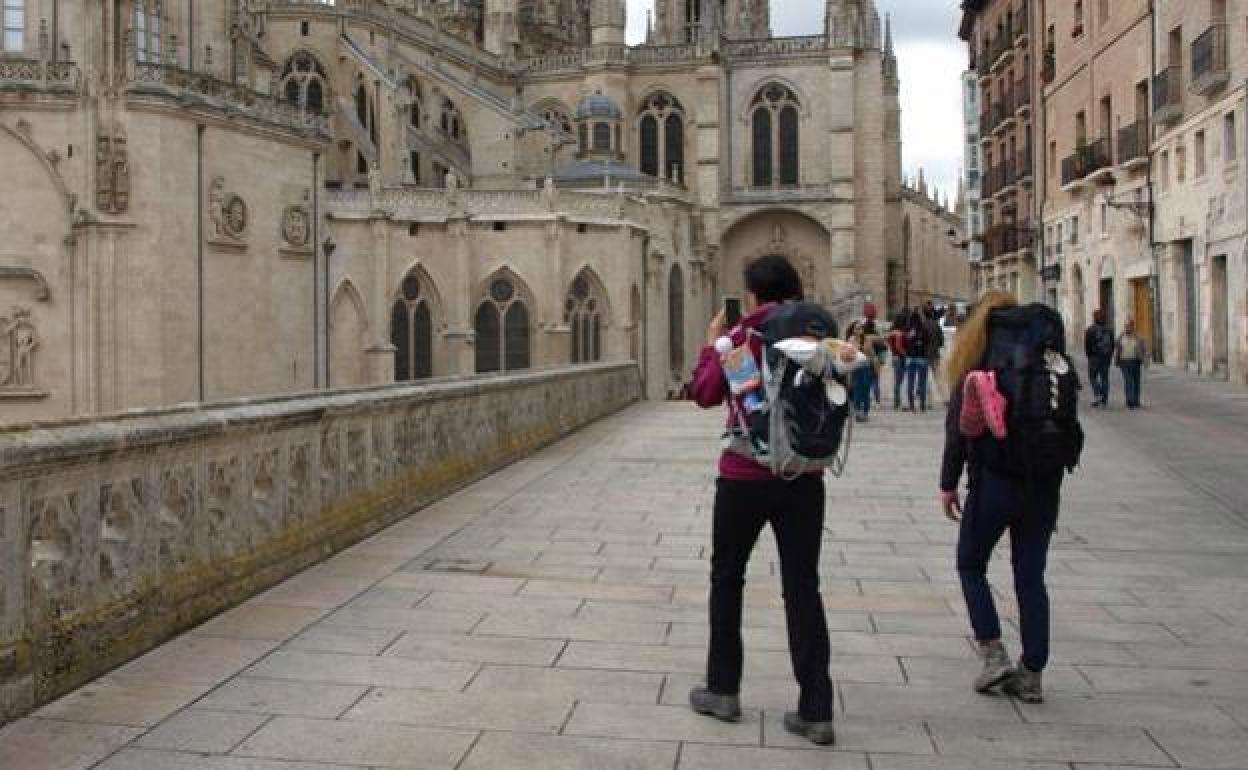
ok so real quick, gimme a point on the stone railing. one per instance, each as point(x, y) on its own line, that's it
point(640, 56)
point(122, 531)
point(423, 204)
point(775, 47)
point(781, 194)
point(149, 77)
point(37, 75)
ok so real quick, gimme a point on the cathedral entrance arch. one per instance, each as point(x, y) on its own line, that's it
point(793, 235)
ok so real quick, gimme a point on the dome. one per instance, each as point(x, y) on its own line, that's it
point(598, 105)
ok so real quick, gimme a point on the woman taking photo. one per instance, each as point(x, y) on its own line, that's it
point(1025, 504)
point(747, 497)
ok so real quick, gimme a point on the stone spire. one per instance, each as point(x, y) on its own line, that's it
point(922, 186)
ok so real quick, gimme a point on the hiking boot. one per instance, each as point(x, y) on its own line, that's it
point(723, 707)
point(821, 733)
point(1024, 684)
point(997, 667)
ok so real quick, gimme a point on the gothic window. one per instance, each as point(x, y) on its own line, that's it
point(664, 112)
point(411, 332)
point(649, 145)
point(676, 319)
point(501, 325)
point(303, 83)
point(583, 311)
point(415, 108)
point(14, 26)
point(147, 41)
point(762, 148)
point(452, 121)
point(693, 18)
point(775, 119)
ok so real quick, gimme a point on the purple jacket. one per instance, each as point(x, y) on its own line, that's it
point(710, 389)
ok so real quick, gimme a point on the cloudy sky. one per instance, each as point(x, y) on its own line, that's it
point(931, 59)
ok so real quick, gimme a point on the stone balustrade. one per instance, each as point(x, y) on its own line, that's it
point(39, 75)
point(164, 79)
point(120, 531)
point(423, 204)
point(776, 47)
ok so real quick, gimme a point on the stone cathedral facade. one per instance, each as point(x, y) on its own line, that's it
point(212, 199)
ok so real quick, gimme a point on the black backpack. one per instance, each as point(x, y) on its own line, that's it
point(1027, 350)
point(802, 430)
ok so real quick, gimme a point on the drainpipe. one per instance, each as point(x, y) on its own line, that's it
point(318, 375)
point(199, 255)
point(1155, 278)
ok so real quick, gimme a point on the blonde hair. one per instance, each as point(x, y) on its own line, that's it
point(971, 342)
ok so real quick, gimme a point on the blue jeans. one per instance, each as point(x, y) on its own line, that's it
point(916, 380)
point(993, 505)
point(1098, 377)
point(1132, 372)
point(864, 381)
point(899, 378)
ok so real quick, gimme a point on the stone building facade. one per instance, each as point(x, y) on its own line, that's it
point(999, 34)
point(223, 198)
point(933, 248)
point(1199, 184)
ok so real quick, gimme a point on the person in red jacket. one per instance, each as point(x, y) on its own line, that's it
point(747, 497)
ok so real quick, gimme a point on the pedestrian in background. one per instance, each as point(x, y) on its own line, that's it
point(1098, 345)
point(918, 346)
point(1130, 354)
point(896, 341)
point(865, 378)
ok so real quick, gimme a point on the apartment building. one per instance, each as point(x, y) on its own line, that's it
point(999, 34)
point(1199, 116)
point(970, 198)
point(1095, 252)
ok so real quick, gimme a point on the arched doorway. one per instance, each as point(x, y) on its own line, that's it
point(793, 235)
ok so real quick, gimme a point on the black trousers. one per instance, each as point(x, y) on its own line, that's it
point(795, 512)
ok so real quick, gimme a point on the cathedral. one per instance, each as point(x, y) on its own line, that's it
point(220, 199)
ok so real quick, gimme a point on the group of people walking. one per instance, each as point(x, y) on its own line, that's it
point(912, 346)
point(1000, 497)
point(1128, 352)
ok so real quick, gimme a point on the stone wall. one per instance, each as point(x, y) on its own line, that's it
point(119, 532)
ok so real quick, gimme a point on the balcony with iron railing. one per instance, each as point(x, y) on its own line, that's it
point(1022, 26)
point(1048, 71)
point(1002, 111)
point(1087, 161)
point(1133, 144)
point(1023, 164)
point(1168, 95)
point(1209, 64)
point(1022, 95)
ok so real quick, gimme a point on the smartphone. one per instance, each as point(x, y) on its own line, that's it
point(732, 311)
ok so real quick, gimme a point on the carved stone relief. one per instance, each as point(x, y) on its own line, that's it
point(227, 215)
point(19, 342)
point(296, 229)
point(112, 174)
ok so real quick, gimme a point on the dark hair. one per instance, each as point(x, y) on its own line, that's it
point(773, 279)
point(900, 321)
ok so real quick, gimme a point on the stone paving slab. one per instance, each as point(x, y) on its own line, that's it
point(554, 617)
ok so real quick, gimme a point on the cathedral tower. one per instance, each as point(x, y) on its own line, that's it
point(607, 19)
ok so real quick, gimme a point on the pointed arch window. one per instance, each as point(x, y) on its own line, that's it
point(146, 32)
point(415, 109)
point(452, 121)
point(676, 319)
point(14, 38)
point(303, 83)
point(583, 311)
point(501, 325)
point(662, 116)
point(411, 332)
point(775, 125)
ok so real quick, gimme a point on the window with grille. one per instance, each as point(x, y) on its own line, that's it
point(776, 119)
point(502, 329)
point(583, 314)
point(411, 332)
point(663, 113)
point(602, 136)
point(14, 26)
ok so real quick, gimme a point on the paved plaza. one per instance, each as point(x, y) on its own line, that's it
point(553, 617)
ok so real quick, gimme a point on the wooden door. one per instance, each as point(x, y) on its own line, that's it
point(1142, 301)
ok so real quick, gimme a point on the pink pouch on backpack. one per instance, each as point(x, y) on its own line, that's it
point(983, 406)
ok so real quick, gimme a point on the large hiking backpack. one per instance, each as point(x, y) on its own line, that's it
point(801, 427)
point(1027, 350)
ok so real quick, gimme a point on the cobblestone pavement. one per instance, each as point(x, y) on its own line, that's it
point(554, 616)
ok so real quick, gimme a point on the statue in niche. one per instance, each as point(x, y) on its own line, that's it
point(112, 174)
point(18, 342)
